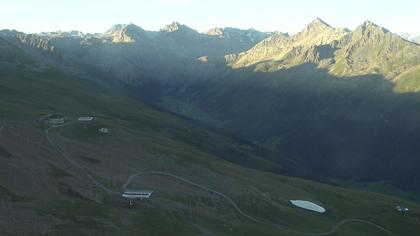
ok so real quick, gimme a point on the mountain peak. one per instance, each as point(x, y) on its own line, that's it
point(369, 26)
point(319, 21)
point(369, 23)
point(126, 33)
point(115, 28)
point(316, 26)
point(123, 27)
point(319, 29)
point(217, 31)
point(173, 27)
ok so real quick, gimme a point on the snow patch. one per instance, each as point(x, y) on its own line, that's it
point(308, 205)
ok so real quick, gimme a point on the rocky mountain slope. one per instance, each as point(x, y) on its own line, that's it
point(370, 49)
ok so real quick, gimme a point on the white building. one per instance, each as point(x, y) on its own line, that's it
point(137, 194)
point(86, 119)
point(133, 195)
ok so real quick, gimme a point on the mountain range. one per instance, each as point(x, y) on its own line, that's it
point(178, 49)
point(229, 108)
point(124, 50)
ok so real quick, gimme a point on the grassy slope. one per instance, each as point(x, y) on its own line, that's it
point(262, 195)
point(29, 95)
point(187, 150)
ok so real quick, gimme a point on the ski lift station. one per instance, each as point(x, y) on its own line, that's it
point(86, 119)
point(133, 195)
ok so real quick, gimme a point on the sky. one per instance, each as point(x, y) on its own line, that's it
point(33, 16)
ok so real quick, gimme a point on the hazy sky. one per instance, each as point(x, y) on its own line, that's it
point(400, 16)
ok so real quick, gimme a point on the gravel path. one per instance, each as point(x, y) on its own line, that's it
point(337, 226)
point(202, 187)
point(74, 163)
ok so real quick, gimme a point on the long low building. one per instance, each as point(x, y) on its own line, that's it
point(86, 119)
point(137, 194)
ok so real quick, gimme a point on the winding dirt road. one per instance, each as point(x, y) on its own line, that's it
point(202, 187)
point(337, 226)
point(69, 159)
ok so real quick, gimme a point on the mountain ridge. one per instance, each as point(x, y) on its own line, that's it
point(277, 47)
point(335, 49)
point(346, 51)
